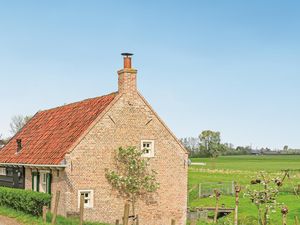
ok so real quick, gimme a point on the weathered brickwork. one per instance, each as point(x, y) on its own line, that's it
point(59, 179)
point(125, 125)
point(128, 121)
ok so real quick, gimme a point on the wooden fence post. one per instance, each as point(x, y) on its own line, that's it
point(217, 193)
point(199, 191)
point(81, 208)
point(193, 222)
point(296, 220)
point(44, 214)
point(117, 222)
point(237, 191)
point(284, 212)
point(137, 220)
point(55, 207)
point(126, 214)
point(173, 222)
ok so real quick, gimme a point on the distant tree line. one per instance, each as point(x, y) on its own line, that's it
point(208, 144)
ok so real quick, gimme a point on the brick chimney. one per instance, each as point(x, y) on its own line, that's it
point(127, 76)
point(19, 145)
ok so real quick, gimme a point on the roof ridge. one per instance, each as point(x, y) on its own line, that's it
point(81, 101)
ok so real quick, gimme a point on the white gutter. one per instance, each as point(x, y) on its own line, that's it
point(33, 165)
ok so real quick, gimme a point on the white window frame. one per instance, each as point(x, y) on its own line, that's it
point(91, 198)
point(43, 182)
point(2, 171)
point(151, 149)
point(35, 181)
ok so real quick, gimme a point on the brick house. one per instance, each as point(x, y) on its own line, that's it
point(68, 148)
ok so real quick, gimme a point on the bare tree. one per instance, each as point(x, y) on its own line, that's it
point(17, 123)
point(2, 142)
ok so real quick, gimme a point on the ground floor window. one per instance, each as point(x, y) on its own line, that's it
point(41, 181)
point(2, 171)
point(88, 198)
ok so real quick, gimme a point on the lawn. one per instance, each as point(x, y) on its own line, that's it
point(27, 219)
point(242, 169)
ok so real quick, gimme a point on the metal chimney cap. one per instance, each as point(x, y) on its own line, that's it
point(127, 54)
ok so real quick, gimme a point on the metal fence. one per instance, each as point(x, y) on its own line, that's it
point(208, 189)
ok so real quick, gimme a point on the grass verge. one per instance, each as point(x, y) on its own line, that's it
point(33, 220)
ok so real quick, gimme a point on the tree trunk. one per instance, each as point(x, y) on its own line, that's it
point(265, 222)
point(259, 218)
point(133, 208)
point(213, 160)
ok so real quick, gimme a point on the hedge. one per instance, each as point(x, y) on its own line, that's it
point(24, 200)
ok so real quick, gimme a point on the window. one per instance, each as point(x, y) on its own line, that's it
point(41, 181)
point(35, 181)
point(9, 172)
point(148, 147)
point(88, 198)
point(3, 171)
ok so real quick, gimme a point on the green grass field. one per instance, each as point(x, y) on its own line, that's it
point(242, 169)
point(27, 219)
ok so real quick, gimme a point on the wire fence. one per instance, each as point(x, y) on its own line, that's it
point(208, 188)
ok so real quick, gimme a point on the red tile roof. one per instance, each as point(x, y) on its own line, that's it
point(48, 136)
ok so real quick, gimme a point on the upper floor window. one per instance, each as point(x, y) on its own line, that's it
point(148, 147)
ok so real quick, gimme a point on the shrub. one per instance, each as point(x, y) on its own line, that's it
point(24, 200)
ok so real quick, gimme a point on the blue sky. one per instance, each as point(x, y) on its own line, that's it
point(231, 66)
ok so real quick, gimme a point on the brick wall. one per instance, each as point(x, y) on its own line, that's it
point(125, 125)
point(129, 121)
point(58, 183)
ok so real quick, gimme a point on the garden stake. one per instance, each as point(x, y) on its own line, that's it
point(44, 214)
point(126, 214)
point(173, 222)
point(55, 207)
point(117, 222)
point(193, 222)
point(237, 191)
point(217, 193)
point(81, 208)
point(296, 220)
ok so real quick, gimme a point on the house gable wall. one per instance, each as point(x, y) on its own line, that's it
point(129, 121)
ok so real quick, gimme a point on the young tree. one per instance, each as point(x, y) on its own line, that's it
point(132, 177)
point(17, 123)
point(211, 142)
point(265, 196)
point(192, 146)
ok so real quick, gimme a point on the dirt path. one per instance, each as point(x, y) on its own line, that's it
point(8, 221)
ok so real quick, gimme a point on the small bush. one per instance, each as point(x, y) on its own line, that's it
point(24, 200)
